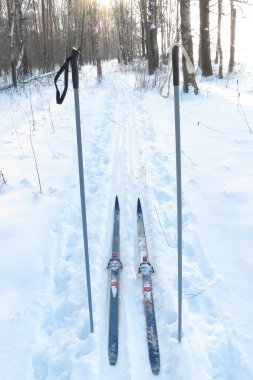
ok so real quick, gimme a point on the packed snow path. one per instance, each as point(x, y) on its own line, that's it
point(128, 139)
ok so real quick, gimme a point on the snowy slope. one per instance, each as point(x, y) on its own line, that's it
point(128, 140)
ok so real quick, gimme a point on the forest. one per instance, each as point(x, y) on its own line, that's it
point(37, 35)
point(197, 310)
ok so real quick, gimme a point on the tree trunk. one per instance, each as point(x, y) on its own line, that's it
point(232, 37)
point(37, 36)
point(122, 44)
point(143, 45)
point(97, 41)
point(21, 14)
point(44, 32)
point(204, 46)
point(186, 37)
point(11, 6)
point(82, 38)
point(69, 28)
point(219, 53)
point(151, 34)
point(154, 59)
point(51, 34)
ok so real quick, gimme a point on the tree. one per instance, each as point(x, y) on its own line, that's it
point(44, 45)
point(204, 44)
point(11, 6)
point(69, 27)
point(22, 8)
point(97, 40)
point(186, 38)
point(219, 53)
point(150, 27)
point(232, 36)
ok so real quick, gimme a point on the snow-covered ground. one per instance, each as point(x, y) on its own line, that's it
point(129, 150)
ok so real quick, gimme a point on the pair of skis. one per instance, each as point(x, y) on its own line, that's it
point(146, 269)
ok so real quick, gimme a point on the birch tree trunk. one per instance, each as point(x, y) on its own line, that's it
point(232, 37)
point(186, 38)
point(122, 44)
point(11, 6)
point(22, 8)
point(219, 53)
point(37, 35)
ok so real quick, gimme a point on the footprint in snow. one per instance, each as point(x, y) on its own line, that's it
point(162, 196)
point(25, 184)
point(84, 332)
point(72, 241)
point(64, 313)
point(40, 369)
point(189, 251)
point(93, 189)
point(61, 281)
point(227, 361)
point(85, 347)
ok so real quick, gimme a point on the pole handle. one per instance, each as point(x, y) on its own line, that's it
point(74, 64)
point(65, 68)
point(175, 65)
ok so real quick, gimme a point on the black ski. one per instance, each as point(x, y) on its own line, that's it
point(114, 266)
point(146, 269)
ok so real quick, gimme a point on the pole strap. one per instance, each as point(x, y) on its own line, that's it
point(167, 78)
point(65, 67)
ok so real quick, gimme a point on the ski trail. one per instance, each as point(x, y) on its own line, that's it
point(132, 334)
point(133, 305)
point(130, 306)
point(106, 371)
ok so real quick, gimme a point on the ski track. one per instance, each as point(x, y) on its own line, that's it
point(124, 178)
point(128, 155)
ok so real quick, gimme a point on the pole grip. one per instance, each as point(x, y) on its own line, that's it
point(74, 64)
point(175, 65)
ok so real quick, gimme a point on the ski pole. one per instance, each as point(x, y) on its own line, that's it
point(175, 68)
point(59, 99)
point(75, 78)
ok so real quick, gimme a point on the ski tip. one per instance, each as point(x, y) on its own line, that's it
point(139, 210)
point(116, 203)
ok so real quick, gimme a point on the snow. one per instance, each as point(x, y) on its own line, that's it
point(129, 150)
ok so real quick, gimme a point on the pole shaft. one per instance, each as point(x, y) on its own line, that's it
point(83, 204)
point(179, 185)
point(179, 208)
